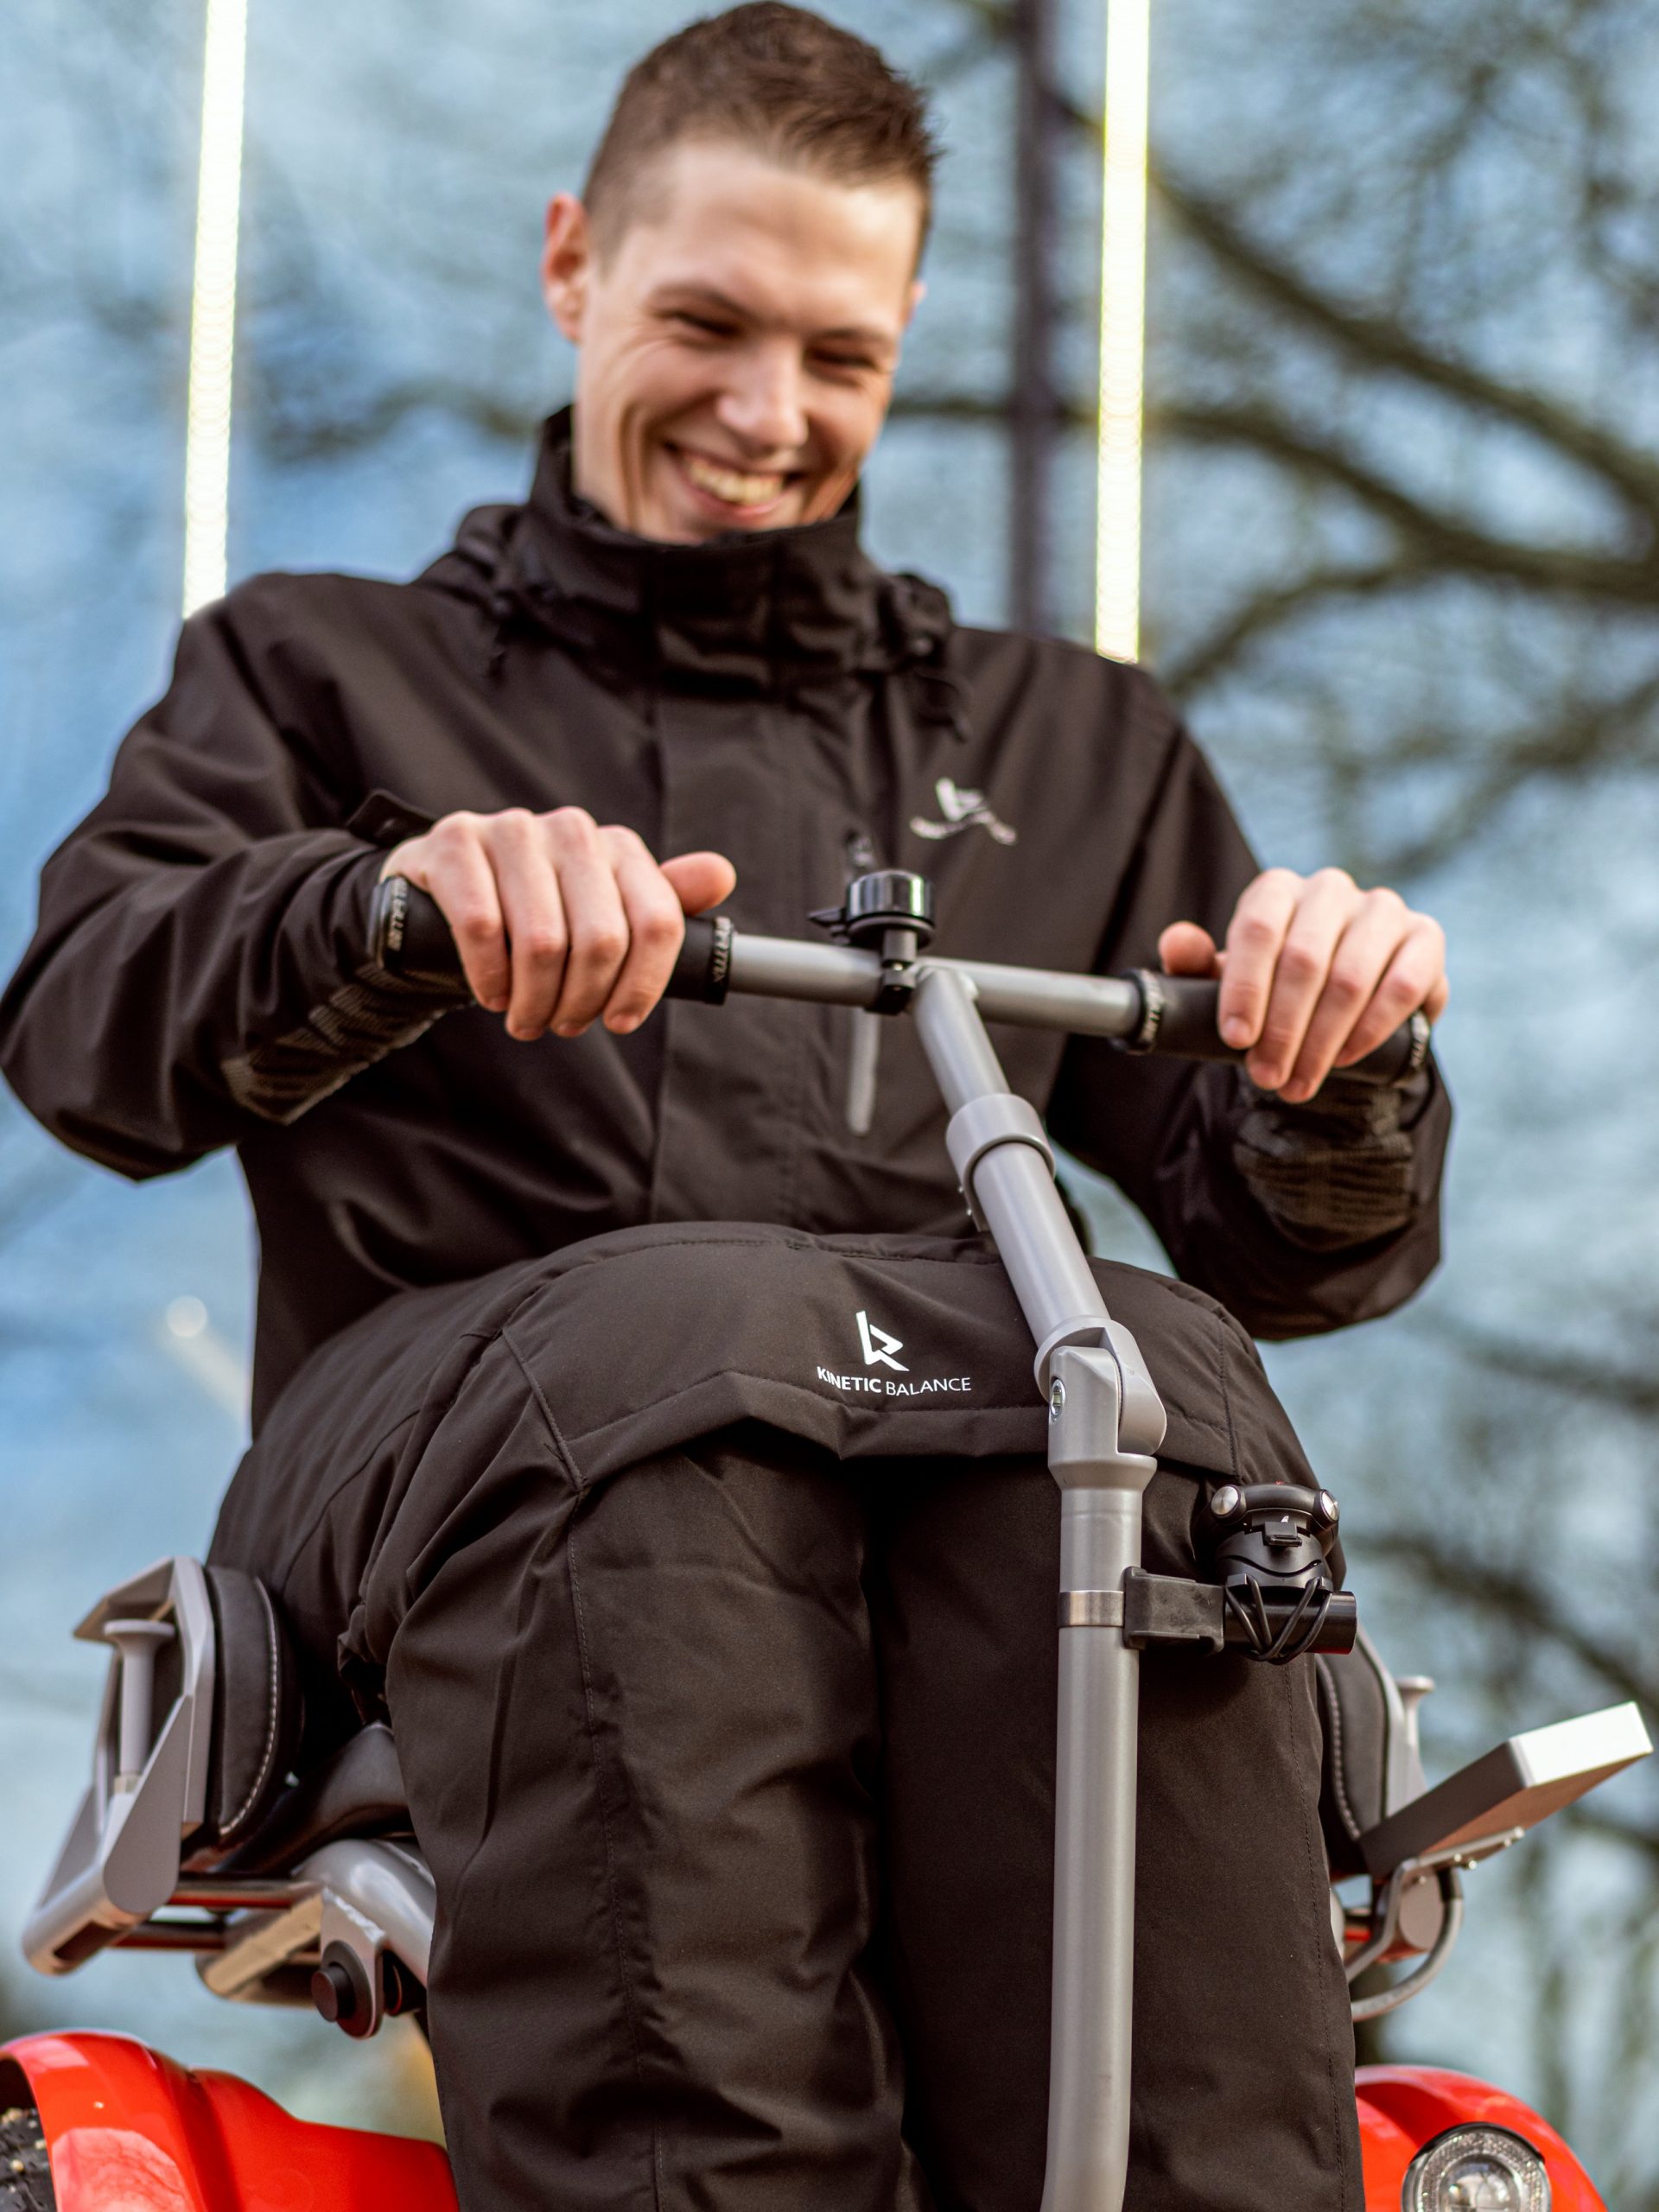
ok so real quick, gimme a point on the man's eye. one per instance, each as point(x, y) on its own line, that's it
point(706, 326)
point(845, 364)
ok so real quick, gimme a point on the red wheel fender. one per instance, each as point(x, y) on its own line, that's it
point(1404, 2107)
point(128, 2131)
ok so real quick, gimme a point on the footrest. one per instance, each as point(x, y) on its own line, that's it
point(1509, 1791)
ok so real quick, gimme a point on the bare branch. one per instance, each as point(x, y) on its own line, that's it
point(1269, 610)
point(1446, 540)
point(1384, 343)
point(1574, 1372)
point(1516, 1599)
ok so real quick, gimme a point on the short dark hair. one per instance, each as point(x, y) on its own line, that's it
point(772, 77)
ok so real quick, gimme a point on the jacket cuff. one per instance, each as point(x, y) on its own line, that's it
point(364, 1013)
point(1340, 1170)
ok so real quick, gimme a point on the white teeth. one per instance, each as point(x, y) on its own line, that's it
point(730, 484)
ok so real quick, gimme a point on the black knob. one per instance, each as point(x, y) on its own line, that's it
point(340, 1992)
point(331, 1993)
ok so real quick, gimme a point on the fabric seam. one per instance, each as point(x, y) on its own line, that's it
point(630, 2003)
point(262, 1774)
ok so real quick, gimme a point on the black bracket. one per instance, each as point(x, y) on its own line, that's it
point(1168, 1609)
point(1269, 1620)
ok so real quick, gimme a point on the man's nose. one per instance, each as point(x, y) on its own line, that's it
point(762, 403)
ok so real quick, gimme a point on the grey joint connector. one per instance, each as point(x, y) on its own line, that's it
point(983, 1123)
point(1092, 1431)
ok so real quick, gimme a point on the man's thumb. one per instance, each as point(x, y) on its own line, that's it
point(700, 879)
point(1187, 950)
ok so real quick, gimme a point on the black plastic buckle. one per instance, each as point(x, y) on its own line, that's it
point(1168, 1609)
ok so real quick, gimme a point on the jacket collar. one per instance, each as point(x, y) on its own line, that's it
point(768, 611)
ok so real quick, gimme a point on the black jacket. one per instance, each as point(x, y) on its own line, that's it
point(199, 976)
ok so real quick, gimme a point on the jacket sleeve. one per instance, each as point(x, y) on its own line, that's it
point(200, 958)
point(1299, 1219)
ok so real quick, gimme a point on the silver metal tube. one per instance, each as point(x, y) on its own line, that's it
point(1036, 1244)
point(1030, 998)
point(960, 1055)
point(1101, 1489)
point(1091, 2005)
point(1013, 1188)
point(782, 967)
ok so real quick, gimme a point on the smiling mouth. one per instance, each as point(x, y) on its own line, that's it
point(737, 488)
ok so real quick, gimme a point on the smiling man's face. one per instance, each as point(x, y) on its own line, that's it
point(737, 341)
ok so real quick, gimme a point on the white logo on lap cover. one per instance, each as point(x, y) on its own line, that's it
point(879, 1347)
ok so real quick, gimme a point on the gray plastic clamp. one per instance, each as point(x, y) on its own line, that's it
point(998, 1117)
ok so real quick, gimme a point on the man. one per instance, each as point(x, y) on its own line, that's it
point(726, 1722)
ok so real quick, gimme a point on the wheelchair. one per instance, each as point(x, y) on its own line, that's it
point(306, 1885)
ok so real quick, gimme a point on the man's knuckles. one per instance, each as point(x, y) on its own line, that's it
point(475, 925)
point(1258, 929)
point(1302, 966)
point(541, 945)
point(1347, 988)
point(659, 930)
point(598, 948)
point(570, 830)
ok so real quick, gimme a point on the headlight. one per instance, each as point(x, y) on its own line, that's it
point(1476, 2170)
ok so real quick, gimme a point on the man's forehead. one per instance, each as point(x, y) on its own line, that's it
point(776, 241)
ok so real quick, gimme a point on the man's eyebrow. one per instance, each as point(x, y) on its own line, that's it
point(710, 296)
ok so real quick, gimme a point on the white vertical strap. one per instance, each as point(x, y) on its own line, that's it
point(213, 305)
point(1122, 331)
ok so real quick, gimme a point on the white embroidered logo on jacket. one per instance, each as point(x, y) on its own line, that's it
point(962, 810)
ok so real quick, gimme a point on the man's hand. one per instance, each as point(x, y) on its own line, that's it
point(559, 923)
point(1316, 974)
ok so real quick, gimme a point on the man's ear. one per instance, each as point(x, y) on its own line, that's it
point(567, 263)
point(917, 294)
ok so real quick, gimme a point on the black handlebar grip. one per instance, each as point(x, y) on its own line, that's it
point(1177, 1020)
point(410, 939)
point(704, 970)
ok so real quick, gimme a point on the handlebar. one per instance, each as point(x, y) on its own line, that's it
point(1171, 1015)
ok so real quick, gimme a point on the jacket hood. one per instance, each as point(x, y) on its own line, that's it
point(748, 612)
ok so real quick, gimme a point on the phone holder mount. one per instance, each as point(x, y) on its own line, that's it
point(1271, 1586)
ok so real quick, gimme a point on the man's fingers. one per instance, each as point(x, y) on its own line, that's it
point(700, 879)
point(558, 921)
point(1415, 976)
point(597, 927)
point(533, 904)
point(656, 928)
point(1344, 1015)
point(1325, 906)
point(450, 865)
point(1255, 937)
point(1184, 948)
